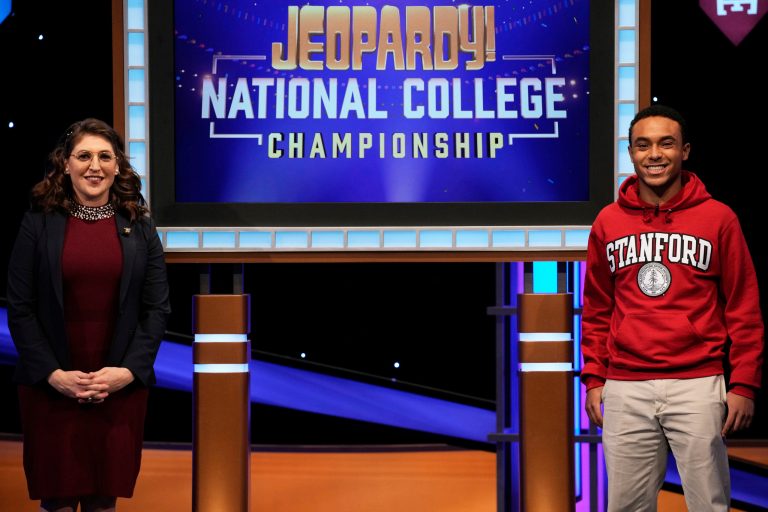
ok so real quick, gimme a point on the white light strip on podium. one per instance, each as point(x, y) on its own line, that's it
point(221, 338)
point(546, 336)
point(546, 367)
point(221, 368)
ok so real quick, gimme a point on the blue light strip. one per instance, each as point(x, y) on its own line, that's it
point(291, 239)
point(577, 468)
point(5, 9)
point(181, 239)
point(328, 239)
point(627, 83)
point(627, 15)
point(363, 239)
point(268, 239)
point(436, 238)
point(219, 239)
point(505, 238)
point(134, 16)
point(221, 368)
point(509, 419)
point(255, 240)
point(545, 367)
point(626, 111)
point(472, 238)
point(221, 338)
point(576, 238)
point(405, 238)
point(624, 163)
point(544, 277)
point(135, 83)
point(545, 336)
point(574, 279)
point(627, 47)
point(545, 238)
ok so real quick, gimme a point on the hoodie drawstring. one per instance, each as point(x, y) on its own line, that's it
point(647, 216)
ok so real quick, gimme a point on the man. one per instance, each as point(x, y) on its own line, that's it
point(669, 282)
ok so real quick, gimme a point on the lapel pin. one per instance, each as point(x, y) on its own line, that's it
point(126, 231)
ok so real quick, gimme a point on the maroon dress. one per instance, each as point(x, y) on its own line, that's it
point(73, 449)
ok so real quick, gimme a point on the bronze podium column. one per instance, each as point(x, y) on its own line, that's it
point(221, 444)
point(545, 324)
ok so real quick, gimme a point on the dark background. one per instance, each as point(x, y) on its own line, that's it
point(429, 317)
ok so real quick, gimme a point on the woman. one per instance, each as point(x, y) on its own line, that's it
point(88, 303)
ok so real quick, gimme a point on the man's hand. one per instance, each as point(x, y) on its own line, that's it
point(592, 405)
point(740, 412)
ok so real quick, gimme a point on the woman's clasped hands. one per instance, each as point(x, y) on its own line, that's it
point(90, 387)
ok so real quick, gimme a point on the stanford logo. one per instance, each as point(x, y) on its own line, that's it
point(654, 279)
point(735, 18)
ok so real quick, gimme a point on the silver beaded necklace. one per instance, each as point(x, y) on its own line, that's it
point(83, 212)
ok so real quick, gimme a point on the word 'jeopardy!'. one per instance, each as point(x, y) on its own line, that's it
point(434, 38)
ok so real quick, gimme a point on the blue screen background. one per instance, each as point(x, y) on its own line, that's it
point(226, 170)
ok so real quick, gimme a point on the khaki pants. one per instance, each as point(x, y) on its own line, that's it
point(643, 419)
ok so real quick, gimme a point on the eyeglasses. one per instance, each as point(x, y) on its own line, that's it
point(105, 157)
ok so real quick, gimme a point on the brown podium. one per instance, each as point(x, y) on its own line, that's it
point(545, 355)
point(221, 441)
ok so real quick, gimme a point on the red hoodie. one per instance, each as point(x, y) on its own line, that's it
point(666, 287)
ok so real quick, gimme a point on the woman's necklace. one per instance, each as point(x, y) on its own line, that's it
point(83, 212)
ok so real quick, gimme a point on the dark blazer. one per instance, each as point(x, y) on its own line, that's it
point(35, 304)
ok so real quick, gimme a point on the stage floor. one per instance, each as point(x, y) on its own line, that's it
point(320, 481)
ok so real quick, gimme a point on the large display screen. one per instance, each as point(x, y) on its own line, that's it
point(375, 113)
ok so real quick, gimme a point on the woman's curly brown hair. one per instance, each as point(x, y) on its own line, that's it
point(54, 192)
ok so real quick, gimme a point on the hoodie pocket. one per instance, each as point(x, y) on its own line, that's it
point(658, 341)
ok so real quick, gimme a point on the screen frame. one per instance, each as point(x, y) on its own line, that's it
point(171, 214)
